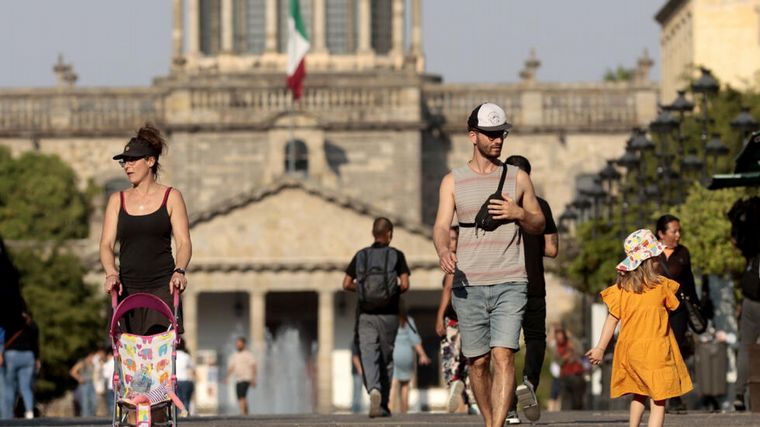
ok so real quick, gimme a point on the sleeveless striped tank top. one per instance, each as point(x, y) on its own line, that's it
point(486, 257)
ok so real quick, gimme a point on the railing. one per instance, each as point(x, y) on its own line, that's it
point(597, 106)
point(589, 108)
point(600, 106)
point(78, 110)
point(248, 105)
point(455, 102)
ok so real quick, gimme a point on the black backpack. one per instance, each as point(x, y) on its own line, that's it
point(376, 278)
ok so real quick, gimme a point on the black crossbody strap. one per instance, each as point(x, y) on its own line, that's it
point(498, 191)
point(503, 177)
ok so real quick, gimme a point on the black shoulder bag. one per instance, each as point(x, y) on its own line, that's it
point(696, 320)
point(484, 220)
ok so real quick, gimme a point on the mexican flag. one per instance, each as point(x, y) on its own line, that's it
point(298, 45)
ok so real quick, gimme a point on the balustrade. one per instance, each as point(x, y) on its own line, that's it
point(565, 107)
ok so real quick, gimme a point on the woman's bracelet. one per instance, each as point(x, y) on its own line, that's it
point(112, 275)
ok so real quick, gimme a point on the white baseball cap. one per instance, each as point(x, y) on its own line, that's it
point(488, 117)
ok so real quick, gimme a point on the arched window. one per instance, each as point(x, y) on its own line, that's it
point(297, 158)
point(210, 26)
point(341, 32)
point(382, 26)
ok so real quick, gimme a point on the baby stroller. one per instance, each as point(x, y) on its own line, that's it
point(144, 376)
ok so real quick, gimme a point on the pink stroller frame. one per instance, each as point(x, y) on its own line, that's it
point(144, 377)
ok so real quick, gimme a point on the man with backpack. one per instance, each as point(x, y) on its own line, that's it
point(379, 275)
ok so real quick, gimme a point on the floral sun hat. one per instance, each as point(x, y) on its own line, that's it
point(639, 246)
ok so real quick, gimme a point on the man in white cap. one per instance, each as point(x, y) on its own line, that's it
point(493, 201)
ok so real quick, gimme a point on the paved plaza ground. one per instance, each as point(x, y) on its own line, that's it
point(567, 418)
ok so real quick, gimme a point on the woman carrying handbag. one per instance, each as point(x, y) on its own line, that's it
point(675, 264)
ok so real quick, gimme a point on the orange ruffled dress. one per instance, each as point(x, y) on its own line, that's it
point(646, 360)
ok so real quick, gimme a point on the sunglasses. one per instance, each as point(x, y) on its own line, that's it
point(124, 160)
point(491, 135)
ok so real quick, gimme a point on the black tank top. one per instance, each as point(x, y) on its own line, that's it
point(145, 254)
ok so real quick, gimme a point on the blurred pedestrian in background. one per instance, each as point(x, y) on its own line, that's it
point(675, 264)
point(408, 343)
point(22, 361)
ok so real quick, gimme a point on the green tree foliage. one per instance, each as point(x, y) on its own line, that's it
point(620, 74)
point(67, 312)
point(39, 199)
point(707, 231)
point(41, 208)
point(591, 267)
point(702, 212)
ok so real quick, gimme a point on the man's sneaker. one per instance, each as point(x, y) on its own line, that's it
point(455, 395)
point(28, 415)
point(512, 418)
point(374, 403)
point(739, 403)
point(473, 409)
point(526, 395)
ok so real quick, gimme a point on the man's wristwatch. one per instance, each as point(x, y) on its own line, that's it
point(180, 271)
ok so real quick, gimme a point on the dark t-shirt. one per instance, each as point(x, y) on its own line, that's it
point(534, 253)
point(679, 269)
point(450, 313)
point(401, 268)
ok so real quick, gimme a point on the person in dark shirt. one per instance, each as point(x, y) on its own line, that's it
point(537, 246)
point(675, 264)
point(377, 328)
point(21, 360)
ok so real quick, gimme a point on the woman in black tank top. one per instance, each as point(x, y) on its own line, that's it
point(143, 220)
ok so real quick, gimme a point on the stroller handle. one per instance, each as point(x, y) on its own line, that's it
point(115, 300)
point(142, 300)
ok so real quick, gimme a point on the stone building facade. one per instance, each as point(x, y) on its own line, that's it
point(281, 194)
point(723, 36)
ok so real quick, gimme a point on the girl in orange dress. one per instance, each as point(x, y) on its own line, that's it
point(647, 362)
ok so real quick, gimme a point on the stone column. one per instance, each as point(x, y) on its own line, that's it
point(257, 317)
point(416, 46)
point(227, 27)
point(178, 19)
point(270, 45)
point(190, 321)
point(365, 27)
point(398, 27)
point(319, 26)
point(193, 30)
point(326, 342)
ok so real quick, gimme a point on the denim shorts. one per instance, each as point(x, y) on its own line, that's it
point(490, 316)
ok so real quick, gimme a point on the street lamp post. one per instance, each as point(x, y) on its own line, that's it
point(744, 123)
point(610, 176)
point(706, 86)
point(715, 148)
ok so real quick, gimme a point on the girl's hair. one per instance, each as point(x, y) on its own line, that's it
point(645, 276)
point(662, 224)
point(153, 136)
